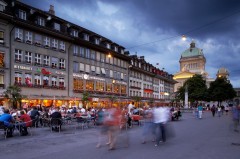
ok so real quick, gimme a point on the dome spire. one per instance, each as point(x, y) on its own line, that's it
point(192, 45)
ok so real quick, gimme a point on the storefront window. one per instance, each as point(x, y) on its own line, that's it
point(89, 85)
point(77, 84)
point(109, 87)
point(116, 88)
point(99, 86)
point(123, 89)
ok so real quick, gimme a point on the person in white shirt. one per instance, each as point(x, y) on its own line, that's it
point(130, 107)
point(160, 118)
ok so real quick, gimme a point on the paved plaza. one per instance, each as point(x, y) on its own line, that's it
point(207, 138)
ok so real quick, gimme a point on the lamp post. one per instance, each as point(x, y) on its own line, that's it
point(186, 97)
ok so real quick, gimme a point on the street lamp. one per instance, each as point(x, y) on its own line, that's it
point(184, 38)
point(186, 97)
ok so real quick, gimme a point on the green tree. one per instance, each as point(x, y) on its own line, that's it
point(13, 93)
point(220, 90)
point(196, 87)
point(85, 98)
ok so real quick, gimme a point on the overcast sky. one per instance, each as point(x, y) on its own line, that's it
point(153, 28)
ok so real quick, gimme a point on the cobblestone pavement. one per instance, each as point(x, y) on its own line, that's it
point(207, 138)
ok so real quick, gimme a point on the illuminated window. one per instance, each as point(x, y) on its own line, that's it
point(78, 84)
point(123, 89)
point(89, 85)
point(109, 87)
point(18, 77)
point(100, 86)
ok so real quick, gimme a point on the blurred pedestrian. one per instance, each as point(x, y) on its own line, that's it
point(160, 118)
point(213, 110)
point(236, 114)
point(200, 111)
point(113, 121)
point(219, 111)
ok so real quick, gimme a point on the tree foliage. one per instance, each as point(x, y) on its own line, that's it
point(85, 98)
point(221, 90)
point(13, 93)
point(196, 87)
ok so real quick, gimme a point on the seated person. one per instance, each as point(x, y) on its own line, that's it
point(34, 114)
point(25, 121)
point(8, 122)
point(56, 118)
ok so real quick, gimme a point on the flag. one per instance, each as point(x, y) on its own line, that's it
point(157, 63)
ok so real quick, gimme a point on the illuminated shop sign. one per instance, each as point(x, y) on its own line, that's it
point(23, 67)
point(120, 82)
point(60, 73)
point(88, 77)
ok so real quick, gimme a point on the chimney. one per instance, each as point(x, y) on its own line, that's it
point(51, 10)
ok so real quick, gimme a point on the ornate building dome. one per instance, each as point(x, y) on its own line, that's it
point(192, 51)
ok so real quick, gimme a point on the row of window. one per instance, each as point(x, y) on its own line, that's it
point(90, 85)
point(36, 79)
point(81, 67)
point(38, 59)
point(37, 39)
point(138, 75)
point(95, 55)
point(58, 27)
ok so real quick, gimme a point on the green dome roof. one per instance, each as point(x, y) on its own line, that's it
point(192, 51)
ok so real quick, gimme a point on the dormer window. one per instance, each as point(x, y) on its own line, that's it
point(41, 21)
point(57, 26)
point(86, 37)
point(2, 6)
point(97, 41)
point(74, 33)
point(22, 15)
point(122, 51)
point(115, 48)
point(108, 45)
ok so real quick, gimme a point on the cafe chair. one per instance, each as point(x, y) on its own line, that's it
point(4, 129)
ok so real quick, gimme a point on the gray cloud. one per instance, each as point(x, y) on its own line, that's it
point(213, 24)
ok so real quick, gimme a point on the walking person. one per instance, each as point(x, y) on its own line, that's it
point(213, 110)
point(200, 111)
point(219, 111)
point(160, 118)
point(236, 114)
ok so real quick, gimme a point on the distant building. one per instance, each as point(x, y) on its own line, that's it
point(192, 62)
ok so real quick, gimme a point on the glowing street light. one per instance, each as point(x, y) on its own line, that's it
point(184, 38)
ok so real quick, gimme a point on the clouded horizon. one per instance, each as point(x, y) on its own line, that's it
point(153, 28)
